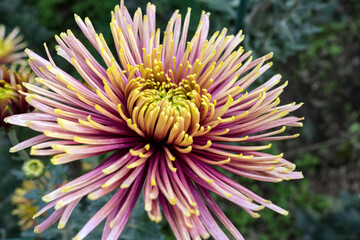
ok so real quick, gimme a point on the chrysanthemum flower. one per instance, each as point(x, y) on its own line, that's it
point(173, 113)
point(25, 208)
point(11, 101)
point(10, 46)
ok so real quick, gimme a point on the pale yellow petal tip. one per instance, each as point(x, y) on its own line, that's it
point(59, 205)
point(36, 230)
point(267, 202)
point(69, 32)
point(66, 189)
point(153, 183)
point(106, 171)
point(60, 226)
point(28, 98)
point(132, 152)
point(256, 215)
point(55, 147)
point(63, 35)
point(7, 120)
point(123, 186)
point(130, 166)
point(76, 138)
point(191, 211)
point(210, 180)
point(197, 212)
point(12, 150)
point(45, 199)
point(173, 201)
point(158, 219)
point(58, 39)
point(276, 161)
point(28, 123)
point(57, 111)
point(228, 195)
point(260, 207)
point(54, 161)
point(111, 225)
point(105, 185)
point(285, 213)
point(91, 196)
point(206, 235)
point(77, 18)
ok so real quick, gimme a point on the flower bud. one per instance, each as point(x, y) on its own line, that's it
point(33, 168)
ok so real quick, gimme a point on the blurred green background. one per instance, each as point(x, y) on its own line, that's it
point(316, 47)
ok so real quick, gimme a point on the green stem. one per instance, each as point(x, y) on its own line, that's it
point(14, 141)
point(241, 15)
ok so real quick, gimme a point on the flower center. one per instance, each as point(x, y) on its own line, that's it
point(7, 91)
point(164, 111)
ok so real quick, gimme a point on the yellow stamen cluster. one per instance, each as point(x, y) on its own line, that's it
point(7, 91)
point(161, 110)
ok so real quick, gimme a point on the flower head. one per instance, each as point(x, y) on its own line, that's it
point(11, 100)
point(25, 208)
point(173, 113)
point(10, 45)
